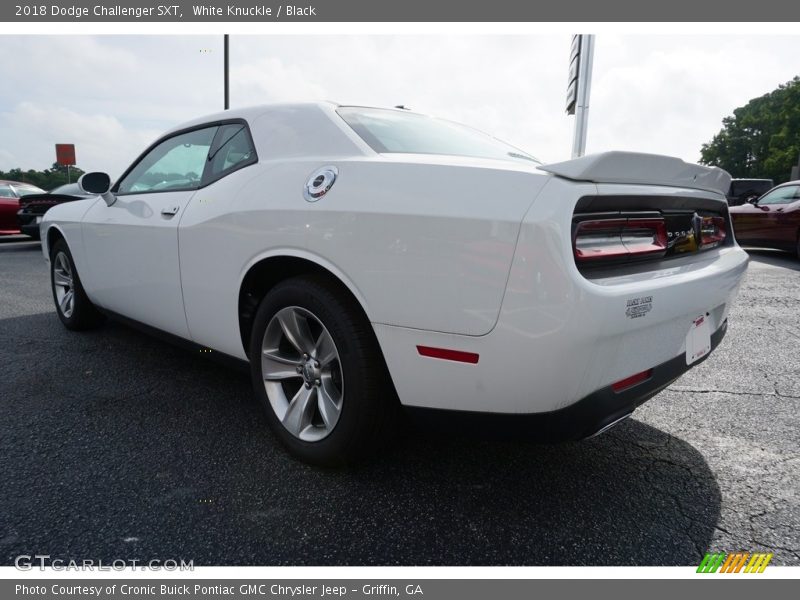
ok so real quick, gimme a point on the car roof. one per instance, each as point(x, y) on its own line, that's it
point(19, 183)
point(287, 130)
point(251, 113)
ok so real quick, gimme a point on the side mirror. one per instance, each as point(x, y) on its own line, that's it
point(97, 183)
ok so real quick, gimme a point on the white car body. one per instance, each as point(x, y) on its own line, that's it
point(448, 252)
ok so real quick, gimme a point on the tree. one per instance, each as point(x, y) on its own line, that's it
point(47, 179)
point(762, 138)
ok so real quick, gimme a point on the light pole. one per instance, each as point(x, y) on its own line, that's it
point(226, 77)
point(578, 88)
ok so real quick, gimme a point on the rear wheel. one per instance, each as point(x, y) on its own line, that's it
point(74, 308)
point(318, 371)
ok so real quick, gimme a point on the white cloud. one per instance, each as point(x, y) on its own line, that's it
point(669, 94)
point(102, 142)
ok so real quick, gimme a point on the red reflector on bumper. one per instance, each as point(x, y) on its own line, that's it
point(629, 382)
point(445, 354)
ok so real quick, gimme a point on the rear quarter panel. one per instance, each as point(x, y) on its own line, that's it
point(428, 245)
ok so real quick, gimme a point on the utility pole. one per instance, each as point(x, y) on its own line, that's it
point(226, 77)
point(579, 86)
point(795, 171)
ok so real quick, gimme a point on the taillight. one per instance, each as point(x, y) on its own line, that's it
point(629, 382)
point(713, 231)
point(619, 238)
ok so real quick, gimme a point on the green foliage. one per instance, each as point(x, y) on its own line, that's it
point(47, 179)
point(762, 138)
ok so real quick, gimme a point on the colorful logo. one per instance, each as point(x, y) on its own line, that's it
point(735, 562)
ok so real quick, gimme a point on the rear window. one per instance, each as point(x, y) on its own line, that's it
point(27, 190)
point(397, 131)
point(750, 188)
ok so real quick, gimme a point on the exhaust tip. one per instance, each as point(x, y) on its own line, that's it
point(605, 428)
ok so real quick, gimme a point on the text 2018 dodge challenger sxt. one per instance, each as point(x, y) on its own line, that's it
point(363, 259)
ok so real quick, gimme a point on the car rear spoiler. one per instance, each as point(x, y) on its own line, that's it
point(648, 169)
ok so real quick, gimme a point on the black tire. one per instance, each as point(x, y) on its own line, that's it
point(369, 405)
point(82, 314)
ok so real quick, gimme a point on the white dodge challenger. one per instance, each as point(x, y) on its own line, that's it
point(362, 260)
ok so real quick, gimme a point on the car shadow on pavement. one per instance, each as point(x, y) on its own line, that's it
point(117, 445)
point(775, 258)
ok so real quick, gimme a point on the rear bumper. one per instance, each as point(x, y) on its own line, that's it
point(27, 223)
point(591, 415)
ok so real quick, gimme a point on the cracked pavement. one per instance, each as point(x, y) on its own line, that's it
point(116, 445)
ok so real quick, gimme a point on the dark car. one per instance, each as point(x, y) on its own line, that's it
point(10, 194)
point(742, 190)
point(771, 221)
point(33, 207)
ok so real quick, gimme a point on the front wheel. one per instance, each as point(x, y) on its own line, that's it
point(73, 306)
point(318, 371)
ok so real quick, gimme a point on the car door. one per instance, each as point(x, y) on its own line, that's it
point(9, 204)
point(132, 245)
point(774, 228)
point(213, 247)
point(746, 219)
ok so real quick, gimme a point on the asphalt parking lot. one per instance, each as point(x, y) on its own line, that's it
point(115, 445)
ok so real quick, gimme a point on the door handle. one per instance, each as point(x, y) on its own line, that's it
point(170, 211)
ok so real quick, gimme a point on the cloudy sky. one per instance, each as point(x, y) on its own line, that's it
point(112, 95)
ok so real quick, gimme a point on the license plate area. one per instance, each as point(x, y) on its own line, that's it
point(698, 340)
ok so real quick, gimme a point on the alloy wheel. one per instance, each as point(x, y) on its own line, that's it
point(302, 373)
point(63, 284)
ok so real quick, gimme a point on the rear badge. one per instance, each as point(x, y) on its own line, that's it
point(639, 307)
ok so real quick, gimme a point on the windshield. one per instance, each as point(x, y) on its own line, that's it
point(389, 131)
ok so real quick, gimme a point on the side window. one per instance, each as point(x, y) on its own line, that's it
point(232, 149)
point(782, 195)
point(175, 164)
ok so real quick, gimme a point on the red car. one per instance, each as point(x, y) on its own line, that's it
point(772, 221)
point(10, 193)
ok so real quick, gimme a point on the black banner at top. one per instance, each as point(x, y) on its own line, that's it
point(172, 11)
